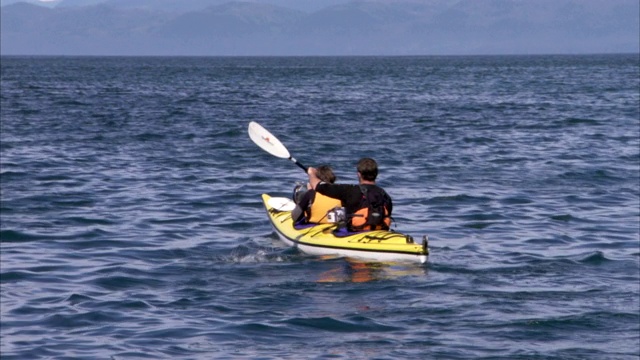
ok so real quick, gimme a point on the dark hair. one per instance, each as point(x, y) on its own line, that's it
point(368, 169)
point(325, 173)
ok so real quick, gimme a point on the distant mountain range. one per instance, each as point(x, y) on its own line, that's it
point(307, 27)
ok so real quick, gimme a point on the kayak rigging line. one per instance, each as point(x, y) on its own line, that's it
point(320, 231)
point(379, 239)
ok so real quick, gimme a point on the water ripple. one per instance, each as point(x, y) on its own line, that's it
point(132, 226)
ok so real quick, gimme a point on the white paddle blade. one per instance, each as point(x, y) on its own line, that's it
point(267, 141)
point(281, 204)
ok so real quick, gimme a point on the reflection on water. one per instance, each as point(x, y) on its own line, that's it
point(358, 271)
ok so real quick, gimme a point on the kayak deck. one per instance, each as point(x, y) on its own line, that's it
point(322, 239)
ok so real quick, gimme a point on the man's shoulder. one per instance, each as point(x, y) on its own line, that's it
point(376, 188)
point(373, 187)
point(336, 186)
point(337, 189)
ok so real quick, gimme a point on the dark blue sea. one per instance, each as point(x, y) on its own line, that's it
point(132, 225)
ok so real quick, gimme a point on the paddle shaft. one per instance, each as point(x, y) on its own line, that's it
point(299, 164)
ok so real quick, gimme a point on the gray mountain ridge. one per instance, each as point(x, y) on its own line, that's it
point(243, 28)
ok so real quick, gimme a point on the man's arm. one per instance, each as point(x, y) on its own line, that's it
point(314, 180)
point(298, 212)
point(330, 190)
point(390, 203)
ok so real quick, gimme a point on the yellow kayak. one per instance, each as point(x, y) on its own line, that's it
point(323, 239)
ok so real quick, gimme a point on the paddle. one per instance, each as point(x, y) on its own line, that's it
point(281, 204)
point(269, 143)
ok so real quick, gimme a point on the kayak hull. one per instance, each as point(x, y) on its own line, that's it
point(379, 245)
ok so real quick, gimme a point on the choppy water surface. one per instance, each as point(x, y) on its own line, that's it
point(132, 226)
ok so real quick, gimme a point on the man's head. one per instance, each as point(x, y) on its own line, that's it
point(325, 173)
point(368, 169)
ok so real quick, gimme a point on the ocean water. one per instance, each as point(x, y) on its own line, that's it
point(132, 225)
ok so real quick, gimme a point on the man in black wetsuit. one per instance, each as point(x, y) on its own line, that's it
point(355, 198)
